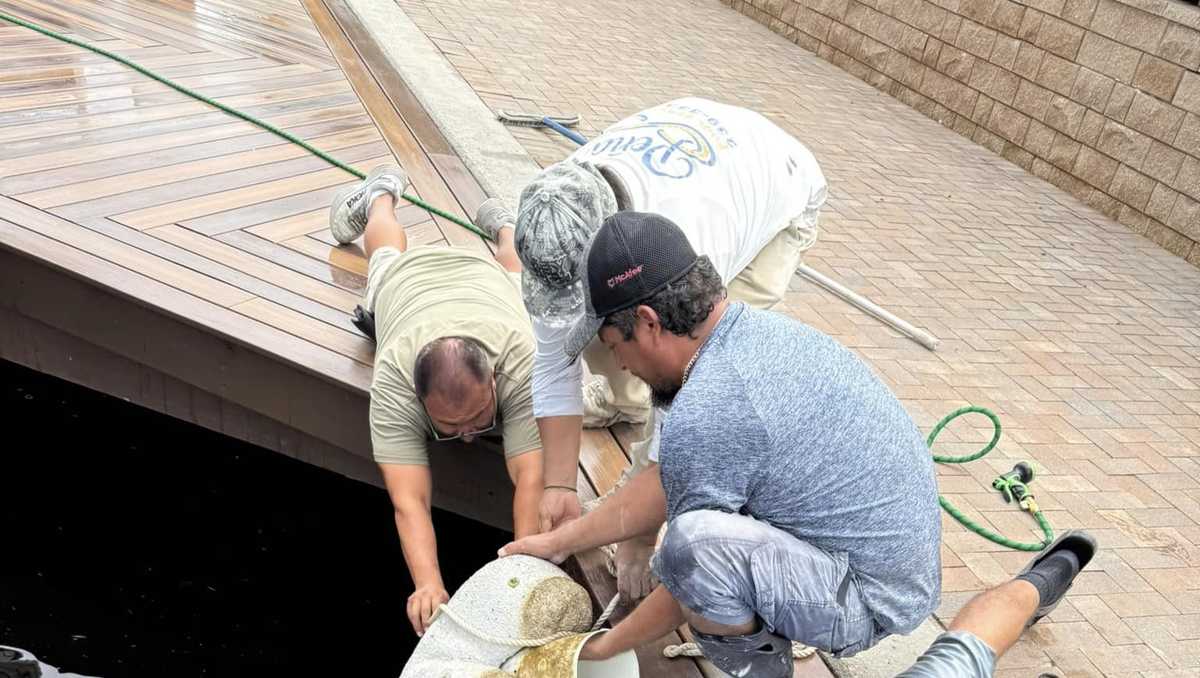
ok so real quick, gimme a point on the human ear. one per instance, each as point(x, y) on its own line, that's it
point(649, 316)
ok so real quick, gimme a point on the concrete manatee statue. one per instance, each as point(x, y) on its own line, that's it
point(498, 624)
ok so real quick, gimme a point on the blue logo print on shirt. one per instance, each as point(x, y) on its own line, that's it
point(668, 149)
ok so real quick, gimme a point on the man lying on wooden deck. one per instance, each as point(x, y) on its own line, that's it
point(799, 496)
point(747, 195)
point(453, 360)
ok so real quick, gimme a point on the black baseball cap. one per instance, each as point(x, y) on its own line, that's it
point(630, 258)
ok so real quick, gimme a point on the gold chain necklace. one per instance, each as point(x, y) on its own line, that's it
point(687, 369)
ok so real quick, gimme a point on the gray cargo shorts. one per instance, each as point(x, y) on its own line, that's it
point(732, 569)
point(956, 654)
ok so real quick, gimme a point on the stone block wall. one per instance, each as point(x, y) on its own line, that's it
point(1100, 97)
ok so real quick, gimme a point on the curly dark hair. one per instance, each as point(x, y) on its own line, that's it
point(681, 306)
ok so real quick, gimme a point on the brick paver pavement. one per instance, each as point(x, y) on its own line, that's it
point(1082, 336)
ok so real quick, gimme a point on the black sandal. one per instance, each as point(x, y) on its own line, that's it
point(364, 321)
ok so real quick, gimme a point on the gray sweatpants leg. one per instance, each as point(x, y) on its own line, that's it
point(956, 654)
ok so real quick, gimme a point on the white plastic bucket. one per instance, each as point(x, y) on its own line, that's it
point(560, 659)
point(519, 598)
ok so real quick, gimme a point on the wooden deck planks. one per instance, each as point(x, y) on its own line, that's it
point(311, 264)
point(153, 293)
point(144, 179)
point(395, 127)
point(324, 293)
point(257, 213)
point(160, 158)
point(65, 157)
point(270, 92)
point(183, 210)
point(190, 73)
point(293, 226)
point(166, 64)
point(132, 21)
point(115, 252)
point(345, 259)
point(90, 143)
point(305, 327)
point(223, 265)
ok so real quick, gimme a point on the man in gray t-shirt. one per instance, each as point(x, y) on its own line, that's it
point(779, 422)
point(800, 497)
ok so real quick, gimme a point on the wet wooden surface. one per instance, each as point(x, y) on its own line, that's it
point(103, 160)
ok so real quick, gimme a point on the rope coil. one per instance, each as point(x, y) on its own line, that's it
point(799, 650)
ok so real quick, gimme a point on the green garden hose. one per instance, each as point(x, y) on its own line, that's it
point(237, 114)
point(962, 517)
point(950, 508)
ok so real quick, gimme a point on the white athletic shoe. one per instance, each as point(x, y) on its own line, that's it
point(493, 214)
point(352, 205)
point(598, 410)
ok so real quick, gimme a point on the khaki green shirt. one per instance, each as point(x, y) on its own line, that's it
point(432, 292)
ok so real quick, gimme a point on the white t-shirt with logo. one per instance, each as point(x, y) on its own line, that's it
point(731, 180)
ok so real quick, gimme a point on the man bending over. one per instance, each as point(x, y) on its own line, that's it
point(453, 358)
point(746, 194)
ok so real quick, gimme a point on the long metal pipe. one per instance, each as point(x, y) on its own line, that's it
point(871, 308)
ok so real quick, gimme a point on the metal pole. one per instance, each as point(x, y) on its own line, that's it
point(871, 308)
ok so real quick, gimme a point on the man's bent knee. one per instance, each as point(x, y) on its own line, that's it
point(701, 625)
point(704, 567)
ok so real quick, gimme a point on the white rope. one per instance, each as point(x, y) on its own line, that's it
point(489, 638)
point(799, 650)
point(608, 612)
point(523, 642)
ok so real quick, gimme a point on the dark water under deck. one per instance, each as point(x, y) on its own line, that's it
point(133, 544)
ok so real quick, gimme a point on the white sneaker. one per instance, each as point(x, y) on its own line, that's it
point(492, 215)
point(598, 410)
point(352, 205)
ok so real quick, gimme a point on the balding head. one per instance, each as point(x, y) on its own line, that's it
point(453, 381)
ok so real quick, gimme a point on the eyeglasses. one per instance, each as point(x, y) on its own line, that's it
point(442, 437)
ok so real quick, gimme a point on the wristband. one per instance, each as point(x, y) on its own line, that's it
point(561, 487)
